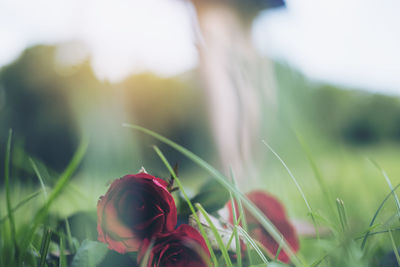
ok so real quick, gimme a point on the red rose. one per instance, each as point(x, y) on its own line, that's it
point(135, 207)
point(181, 248)
point(275, 212)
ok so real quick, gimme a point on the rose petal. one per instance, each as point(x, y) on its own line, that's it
point(123, 222)
point(183, 247)
point(276, 213)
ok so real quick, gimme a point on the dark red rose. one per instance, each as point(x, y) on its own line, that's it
point(275, 212)
point(181, 248)
point(134, 208)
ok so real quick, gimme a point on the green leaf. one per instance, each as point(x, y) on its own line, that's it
point(90, 253)
point(212, 197)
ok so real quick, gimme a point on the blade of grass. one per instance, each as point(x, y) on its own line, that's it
point(297, 185)
point(326, 192)
point(396, 199)
point(253, 244)
point(71, 243)
point(216, 235)
point(263, 249)
point(35, 168)
point(62, 258)
point(369, 229)
point(237, 240)
point(396, 252)
point(146, 257)
point(324, 220)
point(342, 213)
point(278, 251)
point(377, 233)
point(20, 204)
point(35, 253)
point(242, 214)
point(290, 174)
point(389, 221)
point(44, 248)
point(1, 243)
point(60, 185)
point(7, 187)
point(228, 244)
point(319, 261)
point(178, 182)
point(264, 221)
point(64, 178)
point(376, 215)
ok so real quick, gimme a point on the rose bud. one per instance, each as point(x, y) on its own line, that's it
point(275, 212)
point(135, 207)
point(181, 248)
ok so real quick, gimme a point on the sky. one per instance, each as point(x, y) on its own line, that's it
point(354, 43)
point(351, 42)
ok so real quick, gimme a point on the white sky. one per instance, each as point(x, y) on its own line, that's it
point(123, 36)
point(349, 42)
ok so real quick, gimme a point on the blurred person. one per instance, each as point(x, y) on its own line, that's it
point(239, 84)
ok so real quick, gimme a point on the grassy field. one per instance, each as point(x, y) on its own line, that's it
point(341, 146)
point(323, 170)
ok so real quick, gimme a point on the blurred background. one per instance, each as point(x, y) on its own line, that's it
point(74, 68)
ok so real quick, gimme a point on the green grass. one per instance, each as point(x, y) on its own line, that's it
point(10, 214)
point(363, 226)
point(235, 231)
point(18, 249)
point(395, 249)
